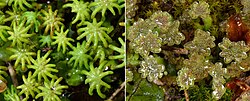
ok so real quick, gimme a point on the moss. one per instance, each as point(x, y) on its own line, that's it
point(80, 8)
point(62, 40)
point(40, 44)
point(21, 55)
point(11, 94)
point(80, 55)
point(120, 57)
point(29, 87)
point(103, 5)
point(19, 34)
point(94, 32)
point(94, 78)
point(51, 90)
point(51, 21)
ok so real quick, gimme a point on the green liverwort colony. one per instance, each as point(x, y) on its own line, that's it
point(149, 35)
point(54, 50)
point(186, 48)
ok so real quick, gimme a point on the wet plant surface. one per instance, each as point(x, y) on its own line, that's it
point(187, 50)
point(62, 50)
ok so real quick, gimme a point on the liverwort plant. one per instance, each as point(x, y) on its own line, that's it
point(152, 68)
point(218, 73)
point(233, 50)
point(152, 43)
point(141, 27)
point(201, 9)
point(194, 68)
point(131, 8)
point(159, 30)
point(168, 28)
point(203, 45)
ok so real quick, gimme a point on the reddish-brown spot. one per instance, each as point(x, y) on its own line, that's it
point(237, 86)
point(247, 38)
point(237, 30)
point(231, 85)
